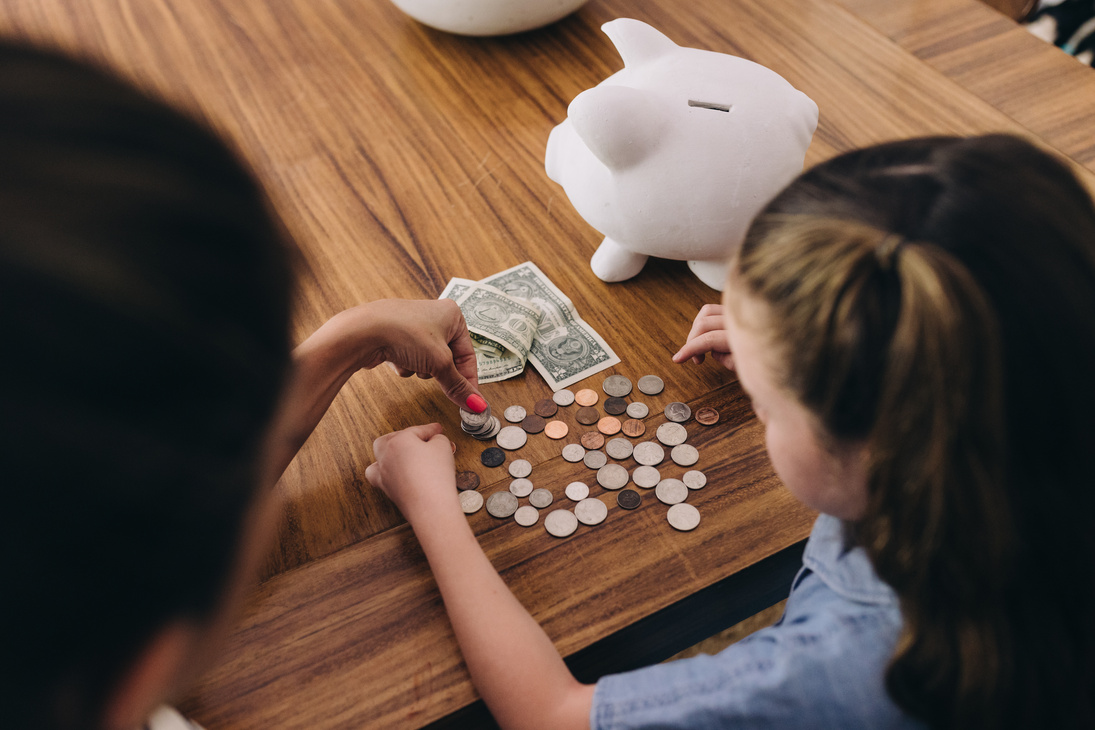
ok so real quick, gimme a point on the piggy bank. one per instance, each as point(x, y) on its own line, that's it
point(676, 153)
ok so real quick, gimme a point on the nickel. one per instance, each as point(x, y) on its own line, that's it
point(617, 386)
point(651, 384)
point(678, 412)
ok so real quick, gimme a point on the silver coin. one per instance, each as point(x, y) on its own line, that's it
point(683, 517)
point(684, 455)
point(574, 452)
point(577, 491)
point(526, 516)
point(561, 523)
point(638, 410)
point(511, 438)
point(612, 476)
point(651, 384)
point(515, 414)
point(595, 459)
point(475, 420)
point(617, 386)
point(491, 431)
point(471, 502)
point(563, 397)
point(540, 498)
point(520, 487)
point(646, 477)
point(619, 448)
point(591, 511)
point(694, 479)
point(678, 412)
point(672, 434)
point(501, 504)
point(670, 491)
point(649, 453)
point(520, 468)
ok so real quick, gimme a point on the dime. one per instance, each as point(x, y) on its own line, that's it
point(629, 499)
point(475, 421)
point(619, 448)
point(493, 456)
point(586, 397)
point(593, 439)
point(672, 434)
point(591, 511)
point(694, 479)
point(670, 491)
point(556, 430)
point(526, 516)
point(467, 480)
point(501, 504)
point(471, 502)
point(595, 459)
point(651, 384)
point(520, 487)
point(707, 416)
point(520, 468)
point(540, 498)
point(609, 425)
point(514, 414)
point(561, 523)
point(612, 476)
point(638, 410)
point(564, 397)
point(646, 477)
point(587, 415)
point(678, 412)
point(684, 455)
point(617, 386)
point(577, 491)
point(615, 406)
point(649, 453)
point(633, 428)
point(533, 423)
point(545, 408)
point(683, 517)
point(511, 438)
point(573, 452)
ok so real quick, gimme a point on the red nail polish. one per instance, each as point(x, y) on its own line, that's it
point(475, 403)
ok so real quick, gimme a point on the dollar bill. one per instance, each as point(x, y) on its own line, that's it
point(502, 328)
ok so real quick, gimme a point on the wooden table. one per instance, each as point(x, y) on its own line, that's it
point(399, 157)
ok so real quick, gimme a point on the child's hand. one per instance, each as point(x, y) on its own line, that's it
point(414, 467)
point(708, 335)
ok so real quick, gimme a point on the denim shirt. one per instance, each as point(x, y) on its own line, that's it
point(820, 666)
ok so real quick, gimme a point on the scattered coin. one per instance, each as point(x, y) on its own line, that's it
point(467, 480)
point(651, 384)
point(587, 415)
point(609, 425)
point(646, 477)
point(694, 479)
point(526, 516)
point(471, 502)
point(545, 408)
point(520, 468)
point(649, 453)
point(501, 504)
point(612, 476)
point(493, 456)
point(672, 434)
point(707, 416)
point(520, 487)
point(564, 397)
point(684, 455)
point(591, 511)
point(595, 459)
point(540, 498)
point(573, 452)
point(617, 386)
point(633, 428)
point(615, 406)
point(586, 397)
point(512, 438)
point(683, 517)
point(514, 414)
point(577, 491)
point(678, 412)
point(670, 491)
point(561, 523)
point(533, 423)
point(619, 448)
point(629, 499)
point(638, 410)
point(556, 430)
point(593, 439)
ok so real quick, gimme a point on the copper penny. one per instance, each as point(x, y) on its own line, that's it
point(545, 408)
point(609, 425)
point(587, 415)
point(633, 428)
point(707, 416)
point(586, 397)
point(593, 440)
point(615, 406)
point(556, 430)
point(466, 480)
point(533, 423)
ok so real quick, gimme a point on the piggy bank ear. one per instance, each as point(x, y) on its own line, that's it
point(636, 41)
point(619, 124)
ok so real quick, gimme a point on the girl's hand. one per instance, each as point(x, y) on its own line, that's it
point(708, 335)
point(414, 467)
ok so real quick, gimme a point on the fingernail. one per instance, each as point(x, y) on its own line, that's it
point(475, 403)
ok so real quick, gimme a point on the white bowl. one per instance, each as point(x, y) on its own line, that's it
point(487, 17)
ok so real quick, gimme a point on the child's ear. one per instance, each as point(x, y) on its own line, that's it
point(151, 676)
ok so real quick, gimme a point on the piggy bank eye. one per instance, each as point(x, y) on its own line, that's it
point(709, 105)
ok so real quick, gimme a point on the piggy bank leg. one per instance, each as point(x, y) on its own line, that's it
point(613, 262)
point(712, 273)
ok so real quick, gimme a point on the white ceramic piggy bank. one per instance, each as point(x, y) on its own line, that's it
point(675, 154)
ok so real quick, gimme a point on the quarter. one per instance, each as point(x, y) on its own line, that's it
point(573, 452)
point(615, 406)
point(587, 415)
point(628, 499)
point(561, 523)
point(563, 397)
point(670, 491)
point(520, 487)
point(577, 491)
point(591, 511)
point(526, 516)
point(501, 504)
point(684, 455)
point(493, 457)
point(707, 416)
point(609, 425)
point(595, 459)
point(514, 414)
point(612, 476)
point(593, 439)
point(651, 384)
point(471, 502)
point(520, 468)
point(586, 397)
point(637, 410)
point(511, 438)
point(533, 423)
point(672, 434)
point(617, 386)
point(466, 480)
point(646, 477)
point(618, 448)
point(556, 430)
point(683, 517)
point(545, 408)
point(540, 498)
point(649, 453)
point(678, 412)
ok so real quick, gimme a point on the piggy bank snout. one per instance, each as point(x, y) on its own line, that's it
point(619, 124)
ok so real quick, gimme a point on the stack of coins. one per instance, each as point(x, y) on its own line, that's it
point(482, 426)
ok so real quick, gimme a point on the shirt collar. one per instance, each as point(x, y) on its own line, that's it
point(847, 572)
